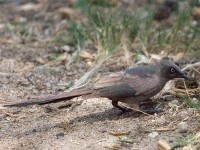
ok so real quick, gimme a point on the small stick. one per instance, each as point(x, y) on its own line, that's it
point(164, 129)
point(87, 75)
point(8, 114)
point(196, 70)
point(119, 133)
point(191, 66)
point(140, 111)
point(65, 105)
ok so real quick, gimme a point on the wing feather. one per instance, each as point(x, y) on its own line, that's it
point(109, 80)
point(143, 86)
point(123, 84)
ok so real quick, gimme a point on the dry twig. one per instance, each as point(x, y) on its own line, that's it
point(164, 129)
point(189, 66)
point(137, 110)
point(85, 78)
point(119, 133)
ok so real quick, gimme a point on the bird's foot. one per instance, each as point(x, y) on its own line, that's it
point(124, 110)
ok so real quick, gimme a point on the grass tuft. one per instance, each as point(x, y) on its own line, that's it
point(109, 27)
point(192, 141)
point(191, 104)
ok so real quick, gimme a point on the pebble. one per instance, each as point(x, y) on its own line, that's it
point(195, 100)
point(182, 127)
point(35, 91)
point(185, 113)
point(48, 85)
point(174, 104)
point(171, 140)
point(182, 114)
point(59, 135)
point(2, 116)
point(66, 48)
point(143, 58)
point(70, 73)
point(153, 134)
point(160, 121)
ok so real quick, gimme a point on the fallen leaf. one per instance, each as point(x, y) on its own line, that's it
point(66, 12)
point(196, 13)
point(125, 139)
point(86, 55)
point(163, 145)
point(119, 133)
point(29, 6)
point(155, 56)
point(179, 56)
point(40, 60)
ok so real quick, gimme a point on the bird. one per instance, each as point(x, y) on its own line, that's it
point(131, 86)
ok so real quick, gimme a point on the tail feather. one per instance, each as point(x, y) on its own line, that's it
point(53, 99)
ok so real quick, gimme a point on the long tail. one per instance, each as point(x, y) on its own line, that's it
point(53, 99)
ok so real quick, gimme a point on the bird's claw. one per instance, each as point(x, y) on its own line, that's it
point(124, 110)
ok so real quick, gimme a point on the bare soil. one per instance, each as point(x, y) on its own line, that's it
point(87, 124)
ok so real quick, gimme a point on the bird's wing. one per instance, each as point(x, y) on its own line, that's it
point(143, 86)
point(122, 84)
point(110, 80)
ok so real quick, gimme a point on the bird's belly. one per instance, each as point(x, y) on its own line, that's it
point(141, 98)
point(155, 90)
point(152, 92)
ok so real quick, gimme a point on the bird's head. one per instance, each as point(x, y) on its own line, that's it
point(170, 70)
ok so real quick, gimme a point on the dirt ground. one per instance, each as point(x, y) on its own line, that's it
point(26, 73)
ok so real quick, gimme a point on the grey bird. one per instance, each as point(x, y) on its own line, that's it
point(132, 86)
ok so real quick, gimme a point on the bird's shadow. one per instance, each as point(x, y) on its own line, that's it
point(113, 114)
point(110, 114)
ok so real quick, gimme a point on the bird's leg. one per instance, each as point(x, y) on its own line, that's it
point(123, 109)
point(134, 104)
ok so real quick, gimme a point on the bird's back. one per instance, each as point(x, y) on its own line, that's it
point(133, 82)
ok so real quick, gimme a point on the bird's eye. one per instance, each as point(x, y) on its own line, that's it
point(172, 70)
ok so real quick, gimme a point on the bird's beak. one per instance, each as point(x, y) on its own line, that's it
point(185, 76)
